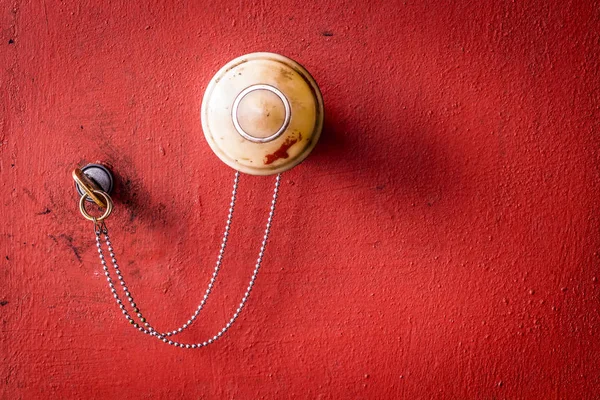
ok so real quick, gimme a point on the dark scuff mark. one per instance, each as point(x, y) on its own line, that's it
point(135, 272)
point(282, 151)
point(3, 302)
point(46, 211)
point(11, 41)
point(132, 212)
point(7, 258)
point(286, 74)
point(327, 33)
point(131, 204)
point(69, 243)
point(29, 194)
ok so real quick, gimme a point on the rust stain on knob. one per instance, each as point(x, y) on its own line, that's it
point(282, 152)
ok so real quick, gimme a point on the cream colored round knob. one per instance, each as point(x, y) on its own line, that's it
point(262, 113)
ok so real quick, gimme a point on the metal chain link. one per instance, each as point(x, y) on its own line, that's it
point(145, 326)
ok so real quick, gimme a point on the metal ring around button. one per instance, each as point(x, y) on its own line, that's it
point(236, 104)
point(107, 211)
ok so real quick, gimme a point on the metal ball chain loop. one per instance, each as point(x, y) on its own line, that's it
point(107, 211)
point(143, 325)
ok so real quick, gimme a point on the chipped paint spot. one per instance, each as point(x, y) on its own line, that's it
point(282, 151)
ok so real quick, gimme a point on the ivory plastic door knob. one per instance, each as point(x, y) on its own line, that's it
point(262, 113)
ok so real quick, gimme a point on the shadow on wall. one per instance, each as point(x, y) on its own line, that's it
point(406, 161)
point(370, 176)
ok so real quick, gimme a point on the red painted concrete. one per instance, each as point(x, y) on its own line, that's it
point(441, 242)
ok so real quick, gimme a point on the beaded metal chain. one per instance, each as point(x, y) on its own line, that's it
point(142, 324)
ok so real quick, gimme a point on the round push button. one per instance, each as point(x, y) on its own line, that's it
point(262, 113)
point(257, 110)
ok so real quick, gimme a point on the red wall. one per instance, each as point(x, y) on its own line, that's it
point(442, 241)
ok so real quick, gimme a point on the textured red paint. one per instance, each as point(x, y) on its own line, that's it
point(441, 242)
